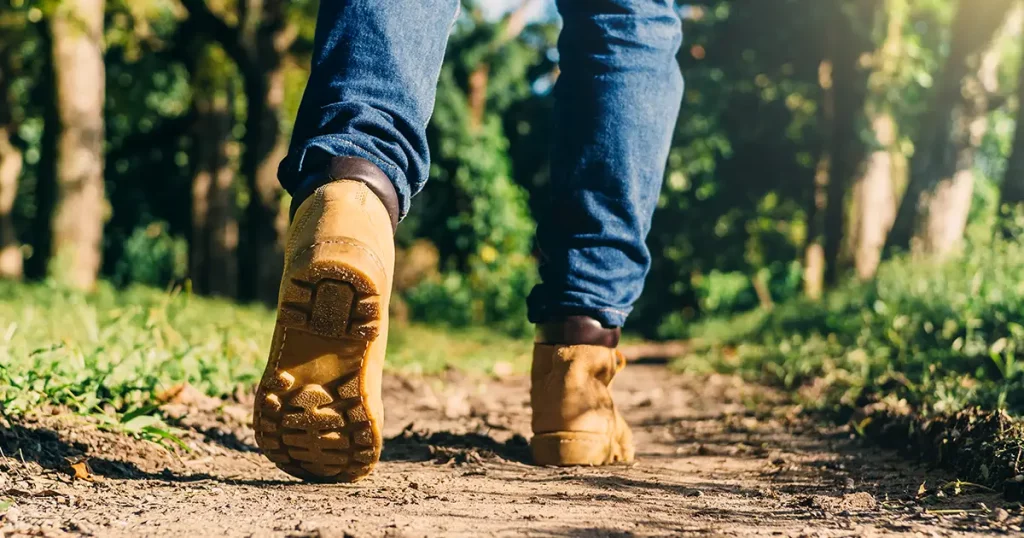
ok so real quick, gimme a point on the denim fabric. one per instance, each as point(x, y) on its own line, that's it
point(371, 93)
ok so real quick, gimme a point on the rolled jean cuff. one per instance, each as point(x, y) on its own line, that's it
point(610, 318)
point(312, 171)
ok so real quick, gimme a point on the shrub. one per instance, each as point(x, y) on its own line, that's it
point(152, 257)
point(492, 293)
point(943, 336)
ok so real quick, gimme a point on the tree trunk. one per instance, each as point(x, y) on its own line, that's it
point(814, 253)
point(266, 222)
point(847, 150)
point(11, 161)
point(257, 44)
point(214, 247)
point(514, 24)
point(44, 197)
point(80, 204)
point(946, 207)
point(875, 197)
point(930, 214)
point(11, 262)
point(265, 147)
point(478, 81)
point(759, 281)
point(1012, 191)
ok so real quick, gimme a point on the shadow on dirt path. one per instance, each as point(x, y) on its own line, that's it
point(716, 458)
point(454, 448)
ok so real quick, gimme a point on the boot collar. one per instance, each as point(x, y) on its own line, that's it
point(576, 331)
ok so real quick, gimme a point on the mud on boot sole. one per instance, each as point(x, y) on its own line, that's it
point(311, 415)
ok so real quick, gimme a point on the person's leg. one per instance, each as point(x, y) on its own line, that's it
point(359, 152)
point(370, 92)
point(617, 100)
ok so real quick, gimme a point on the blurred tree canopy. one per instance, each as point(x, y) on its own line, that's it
point(816, 139)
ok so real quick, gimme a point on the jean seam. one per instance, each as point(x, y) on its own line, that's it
point(597, 309)
point(615, 310)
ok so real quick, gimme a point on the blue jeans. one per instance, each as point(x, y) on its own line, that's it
point(371, 94)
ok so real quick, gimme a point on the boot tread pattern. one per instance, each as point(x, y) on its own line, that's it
point(317, 426)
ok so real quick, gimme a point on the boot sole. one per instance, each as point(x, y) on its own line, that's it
point(567, 449)
point(311, 415)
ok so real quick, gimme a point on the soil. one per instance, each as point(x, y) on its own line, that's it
point(716, 457)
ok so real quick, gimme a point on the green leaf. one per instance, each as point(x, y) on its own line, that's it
point(140, 423)
point(158, 433)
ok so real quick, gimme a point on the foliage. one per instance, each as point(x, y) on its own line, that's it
point(473, 209)
point(152, 257)
point(491, 293)
point(739, 189)
point(751, 107)
point(943, 337)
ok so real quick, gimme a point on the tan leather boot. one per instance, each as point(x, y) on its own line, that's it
point(318, 412)
point(574, 418)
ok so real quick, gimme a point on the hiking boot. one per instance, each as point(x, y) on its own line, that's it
point(574, 419)
point(318, 412)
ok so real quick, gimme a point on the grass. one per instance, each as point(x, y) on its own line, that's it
point(928, 355)
point(944, 337)
point(109, 353)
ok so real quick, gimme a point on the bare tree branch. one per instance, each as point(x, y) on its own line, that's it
point(515, 22)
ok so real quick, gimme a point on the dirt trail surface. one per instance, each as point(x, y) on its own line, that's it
point(715, 458)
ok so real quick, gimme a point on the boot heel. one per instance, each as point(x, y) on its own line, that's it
point(571, 448)
point(312, 417)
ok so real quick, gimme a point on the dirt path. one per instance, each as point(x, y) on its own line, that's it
point(714, 460)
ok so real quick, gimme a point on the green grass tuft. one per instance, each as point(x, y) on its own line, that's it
point(111, 352)
point(942, 337)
